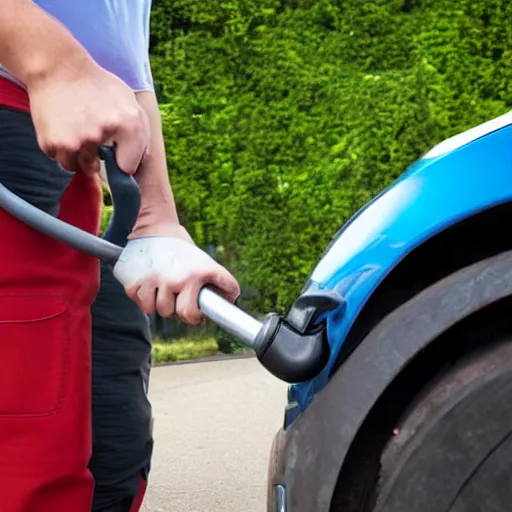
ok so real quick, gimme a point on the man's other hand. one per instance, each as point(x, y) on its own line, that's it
point(76, 110)
point(165, 274)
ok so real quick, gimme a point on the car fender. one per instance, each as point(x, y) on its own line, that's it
point(448, 185)
point(317, 442)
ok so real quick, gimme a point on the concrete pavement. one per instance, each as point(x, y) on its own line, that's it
point(214, 424)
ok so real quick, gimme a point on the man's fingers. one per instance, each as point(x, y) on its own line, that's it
point(144, 295)
point(226, 285)
point(165, 301)
point(87, 159)
point(187, 308)
point(68, 160)
point(132, 141)
point(79, 151)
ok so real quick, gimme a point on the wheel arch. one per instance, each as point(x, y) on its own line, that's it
point(333, 420)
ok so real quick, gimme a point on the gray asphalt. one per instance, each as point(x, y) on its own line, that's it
point(214, 424)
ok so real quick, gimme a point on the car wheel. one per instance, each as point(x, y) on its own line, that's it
point(452, 451)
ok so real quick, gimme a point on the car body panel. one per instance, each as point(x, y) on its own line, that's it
point(452, 182)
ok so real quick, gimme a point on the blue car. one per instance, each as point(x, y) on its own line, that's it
point(413, 410)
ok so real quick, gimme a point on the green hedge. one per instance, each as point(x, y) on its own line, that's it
point(283, 117)
point(183, 350)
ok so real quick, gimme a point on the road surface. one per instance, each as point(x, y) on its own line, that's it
point(214, 424)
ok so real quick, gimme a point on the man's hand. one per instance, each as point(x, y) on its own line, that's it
point(74, 114)
point(166, 273)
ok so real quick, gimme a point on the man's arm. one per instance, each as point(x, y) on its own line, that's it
point(75, 104)
point(158, 214)
point(33, 45)
point(175, 284)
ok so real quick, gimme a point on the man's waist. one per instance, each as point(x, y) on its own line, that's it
point(12, 95)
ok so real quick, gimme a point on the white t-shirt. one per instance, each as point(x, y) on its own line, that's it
point(114, 32)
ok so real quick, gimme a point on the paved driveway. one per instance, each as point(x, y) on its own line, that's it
point(214, 424)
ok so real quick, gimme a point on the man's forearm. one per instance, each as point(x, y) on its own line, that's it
point(158, 215)
point(33, 44)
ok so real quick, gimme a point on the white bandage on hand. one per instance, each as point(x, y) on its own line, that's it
point(165, 274)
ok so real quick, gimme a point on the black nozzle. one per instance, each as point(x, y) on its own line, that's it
point(289, 355)
point(295, 348)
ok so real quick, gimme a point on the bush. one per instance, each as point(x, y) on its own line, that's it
point(181, 350)
point(282, 118)
point(106, 213)
point(228, 344)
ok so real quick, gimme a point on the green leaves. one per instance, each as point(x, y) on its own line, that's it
point(282, 118)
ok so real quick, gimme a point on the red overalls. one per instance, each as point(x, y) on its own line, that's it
point(46, 291)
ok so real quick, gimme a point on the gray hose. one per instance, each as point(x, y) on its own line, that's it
point(126, 199)
point(57, 229)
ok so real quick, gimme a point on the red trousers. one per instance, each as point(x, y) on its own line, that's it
point(46, 292)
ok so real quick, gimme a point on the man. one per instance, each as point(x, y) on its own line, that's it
point(75, 76)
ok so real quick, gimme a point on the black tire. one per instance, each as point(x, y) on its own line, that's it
point(453, 450)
